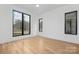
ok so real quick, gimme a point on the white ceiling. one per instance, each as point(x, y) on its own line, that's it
point(41, 9)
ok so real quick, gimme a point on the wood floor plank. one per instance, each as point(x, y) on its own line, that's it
point(39, 45)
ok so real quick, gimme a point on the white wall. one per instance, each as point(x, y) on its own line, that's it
point(53, 24)
point(6, 23)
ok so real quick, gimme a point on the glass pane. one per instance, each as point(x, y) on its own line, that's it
point(17, 23)
point(40, 25)
point(70, 23)
point(26, 24)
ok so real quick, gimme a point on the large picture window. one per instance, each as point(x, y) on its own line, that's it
point(21, 23)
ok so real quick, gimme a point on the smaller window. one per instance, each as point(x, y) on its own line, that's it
point(41, 25)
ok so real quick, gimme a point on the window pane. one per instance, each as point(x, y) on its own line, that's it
point(17, 24)
point(40, 25)
point(26, 24)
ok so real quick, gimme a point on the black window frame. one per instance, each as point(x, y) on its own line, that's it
point(40, 29)
point(22, 23)
point(76, 22)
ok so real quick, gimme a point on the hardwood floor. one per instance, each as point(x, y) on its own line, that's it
point(39, 45)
